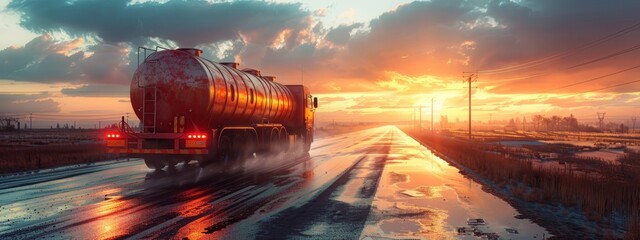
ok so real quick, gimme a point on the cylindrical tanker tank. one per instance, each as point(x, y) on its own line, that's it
point(179, 84)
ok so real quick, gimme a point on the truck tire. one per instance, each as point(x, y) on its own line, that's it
point(284, 140)
point(249, 149)
point(225, 149)
point(308, 137)
point(154, 163)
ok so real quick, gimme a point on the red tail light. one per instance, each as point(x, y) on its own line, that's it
point(197, 136)
point(196, 140)
point(114, 135)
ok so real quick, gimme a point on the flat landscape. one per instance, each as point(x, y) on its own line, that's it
point(311, 119)
point(365, 184)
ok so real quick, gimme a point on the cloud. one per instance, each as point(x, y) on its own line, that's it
point(420, 47)
point(41, 60)
point(33, 103)
point(97, 90)
point(329, 100)
point(416, 39)
point(341, 34)
point(534, 30)
point(189, 23)
point(387, 101)
point(46, 60)
point(108, 63)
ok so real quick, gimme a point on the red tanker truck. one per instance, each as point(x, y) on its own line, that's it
point(194, 109)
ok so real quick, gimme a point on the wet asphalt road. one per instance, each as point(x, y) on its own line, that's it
point(277, 197)
point(371, 184)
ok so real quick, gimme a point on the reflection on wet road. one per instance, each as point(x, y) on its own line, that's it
point(366, 184)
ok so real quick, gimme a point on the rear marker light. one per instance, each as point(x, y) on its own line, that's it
point(198, 136)
point(113, 135)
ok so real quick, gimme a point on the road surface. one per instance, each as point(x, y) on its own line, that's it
point(370, 184)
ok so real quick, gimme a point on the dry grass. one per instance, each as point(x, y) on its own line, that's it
point(26, 158)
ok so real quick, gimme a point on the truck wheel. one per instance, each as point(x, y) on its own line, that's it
point(307, 142)
point(274, 142)
point(250, 146)
point(284, 140)
point(154, 163)
point(171, 162)
point(225, 149)
point(204, 161)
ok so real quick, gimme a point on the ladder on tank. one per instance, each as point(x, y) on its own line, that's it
point(149, 93)
point(149, 107)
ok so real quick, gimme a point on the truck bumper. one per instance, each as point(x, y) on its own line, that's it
point(158, 151)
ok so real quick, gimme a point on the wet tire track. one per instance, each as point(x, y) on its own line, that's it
point(331, 218)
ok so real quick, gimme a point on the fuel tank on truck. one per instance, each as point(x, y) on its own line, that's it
point(173, 90)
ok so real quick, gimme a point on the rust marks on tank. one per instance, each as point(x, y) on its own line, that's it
point(186, 81)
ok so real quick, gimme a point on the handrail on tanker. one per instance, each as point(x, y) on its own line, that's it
point(144, 49)
point(124, 127)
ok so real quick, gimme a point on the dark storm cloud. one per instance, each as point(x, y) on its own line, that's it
point(188, 23)
point(34, 103)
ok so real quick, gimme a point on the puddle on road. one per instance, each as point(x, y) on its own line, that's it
point(421, 196)
point(316, 230)
point(403, 226)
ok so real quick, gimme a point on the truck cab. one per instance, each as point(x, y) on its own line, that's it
point(301, 124)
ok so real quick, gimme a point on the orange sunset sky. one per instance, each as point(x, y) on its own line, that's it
point(365, 60)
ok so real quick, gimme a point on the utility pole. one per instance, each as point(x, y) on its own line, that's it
point(601, 119)
point(472, 77)
point(413, 119)
point(633, 119)
point(30, 120)
point(420, 125)
point(431, 115)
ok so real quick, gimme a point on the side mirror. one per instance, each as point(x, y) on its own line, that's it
point(315, 102)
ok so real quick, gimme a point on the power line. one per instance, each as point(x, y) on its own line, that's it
point(617, 85)
point(604, 88)
point(563, 54)
point(596, 78)
point(71, 119)
point(631, 49)
point(78, 115)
